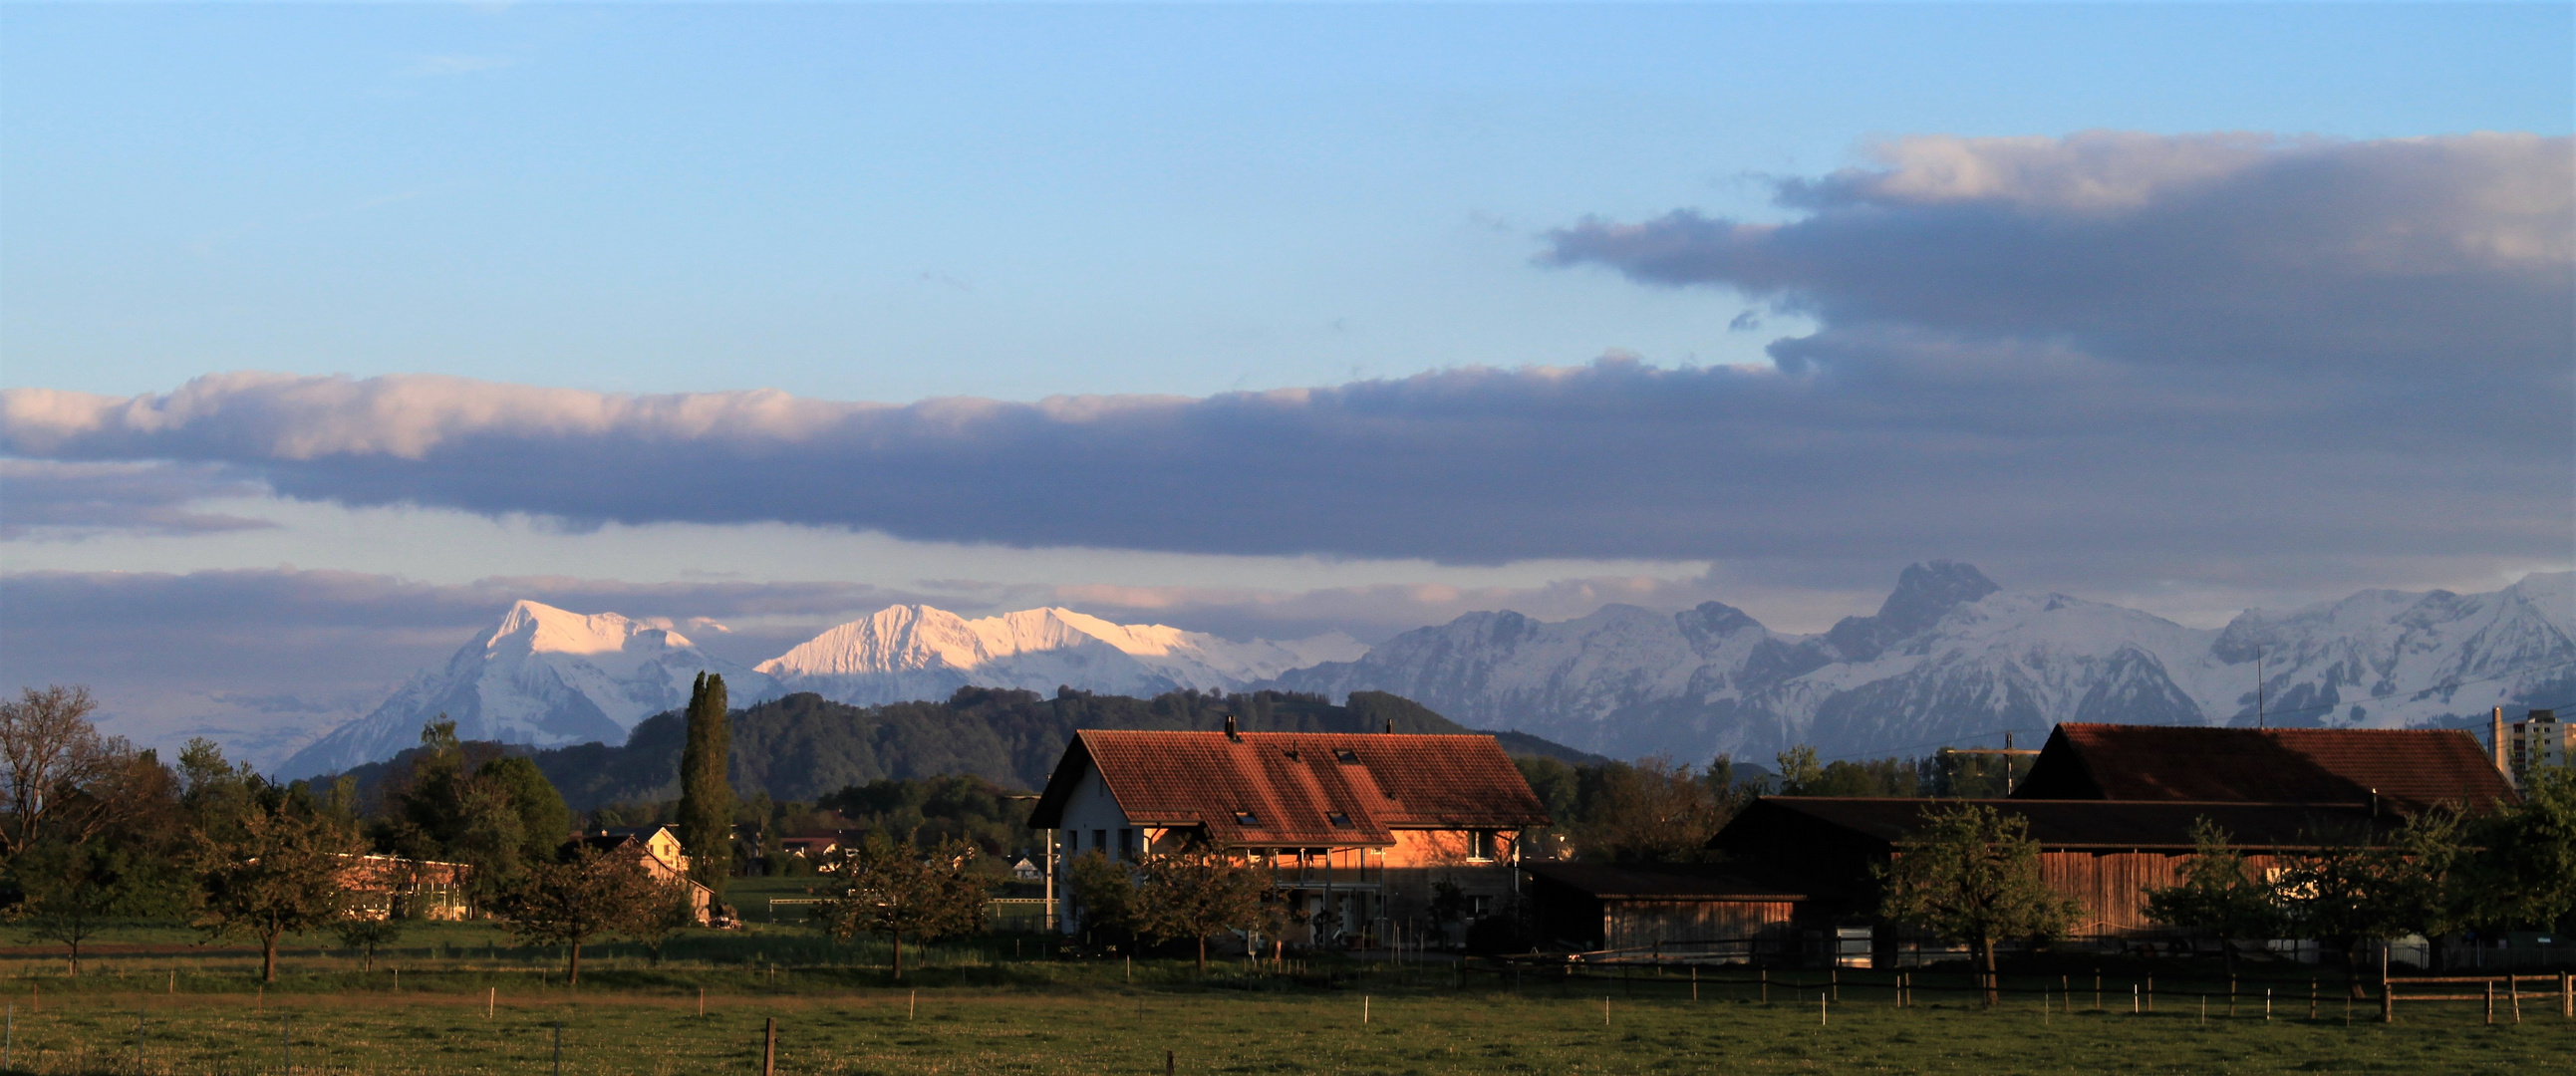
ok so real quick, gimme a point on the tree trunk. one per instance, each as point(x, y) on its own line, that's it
point(75, 958)
point(268, 958)
point(898, 957)
point(574, 977)
point(1992, 994)
point(1202, 954)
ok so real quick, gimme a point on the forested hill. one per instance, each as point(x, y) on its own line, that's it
point(804, 746)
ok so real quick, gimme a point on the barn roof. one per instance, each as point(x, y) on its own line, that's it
point(2070, 825)
point(2410, 769)
point(1256, 789)
point(1668, 882)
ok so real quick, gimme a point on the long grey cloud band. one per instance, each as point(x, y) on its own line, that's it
point(2134, 343)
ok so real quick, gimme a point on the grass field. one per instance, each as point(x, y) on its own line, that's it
point(979, 1009)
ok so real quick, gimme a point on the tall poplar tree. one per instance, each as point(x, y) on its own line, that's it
point(706, 801)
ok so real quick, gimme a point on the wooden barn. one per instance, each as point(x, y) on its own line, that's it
point(2400, 771)
point(1597, 906)
point(2102, 853)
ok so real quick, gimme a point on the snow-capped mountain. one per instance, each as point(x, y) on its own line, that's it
point(1952, 658)
point(540, 676)
point(917, 652)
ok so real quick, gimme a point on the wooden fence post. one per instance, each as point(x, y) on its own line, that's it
point(769, 1049)
point(2387, 1001)
point(2491, 1002)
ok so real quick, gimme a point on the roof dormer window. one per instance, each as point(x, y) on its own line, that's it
point(1340, 820)
point(1346, 755)
point(1247, 820)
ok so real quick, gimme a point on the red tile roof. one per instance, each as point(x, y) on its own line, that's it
point(2411, 769)
point(1261, 789)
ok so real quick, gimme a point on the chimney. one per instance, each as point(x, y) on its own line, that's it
point(2495, 743)
point(1232, 733)
point(1390, 726)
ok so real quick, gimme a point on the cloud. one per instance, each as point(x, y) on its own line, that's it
point(2142, 352)
point(40, 499)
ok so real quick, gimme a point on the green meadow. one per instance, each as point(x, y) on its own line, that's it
point(457, 999)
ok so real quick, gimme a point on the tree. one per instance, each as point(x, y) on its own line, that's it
point(2525, 872)
point(2218, 894)
point(706, 800)
point(897, 889)
point(1197, 892)
point(2349, 887)
point(278, 869)
point(667, 910)
point(1798, 770)
point(58, 776)
point(1653, 812)
point(569, 901)
point(71, 891)
point(1972, 874)
point(1104, 894)
point(544, 821)
point(362, 929)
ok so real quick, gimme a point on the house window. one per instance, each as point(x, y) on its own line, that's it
point(1126, 844)
point(1247, 819)
point(1345, 754)
point(1480, 905)
point(1339, 820)
point(1480, 845)
point(1099, 840)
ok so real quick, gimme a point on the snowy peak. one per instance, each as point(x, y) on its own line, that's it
point(537, 628)
point(908, 639)
point(541, 676)
point(1924, 594)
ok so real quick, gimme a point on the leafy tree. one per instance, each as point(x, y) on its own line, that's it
point(960, 805)
point(2349, 887)
point(568, 902)
point(1194, 893)
point(2218, 894)
point(667, 910)
point(361, 929)
point(278, 868)
point(69, 892)
point(2525, 872)
point(1799, 770)
point(1652, 812)
point(544, 821)
point(1972, 874)
point(706, 800)
point(1104, 894)
point(897, 889)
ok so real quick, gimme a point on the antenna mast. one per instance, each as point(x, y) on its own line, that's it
point(2258, 687)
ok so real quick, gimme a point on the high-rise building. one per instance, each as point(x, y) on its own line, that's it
point(2539, 739)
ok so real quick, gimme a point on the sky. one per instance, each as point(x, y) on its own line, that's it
point(326, 331)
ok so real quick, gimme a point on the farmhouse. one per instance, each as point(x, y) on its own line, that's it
point(394, 887)
point(1359, 830)
point(657, 848)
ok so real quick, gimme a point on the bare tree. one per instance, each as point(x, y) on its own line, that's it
point(58, 776)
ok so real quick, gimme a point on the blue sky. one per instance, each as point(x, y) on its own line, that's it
point(888, 203)
point(359, 321)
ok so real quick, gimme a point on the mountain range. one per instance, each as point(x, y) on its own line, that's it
point(548, 677)
point(1949, 658)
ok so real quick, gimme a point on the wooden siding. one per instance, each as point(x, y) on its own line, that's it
point(1636, 924)
point(2112, 885)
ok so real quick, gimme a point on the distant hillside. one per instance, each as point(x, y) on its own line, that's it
point(804, 746)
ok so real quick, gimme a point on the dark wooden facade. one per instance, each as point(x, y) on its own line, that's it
point(1596, 906)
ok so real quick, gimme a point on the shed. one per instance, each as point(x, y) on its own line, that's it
point(1611, 906)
